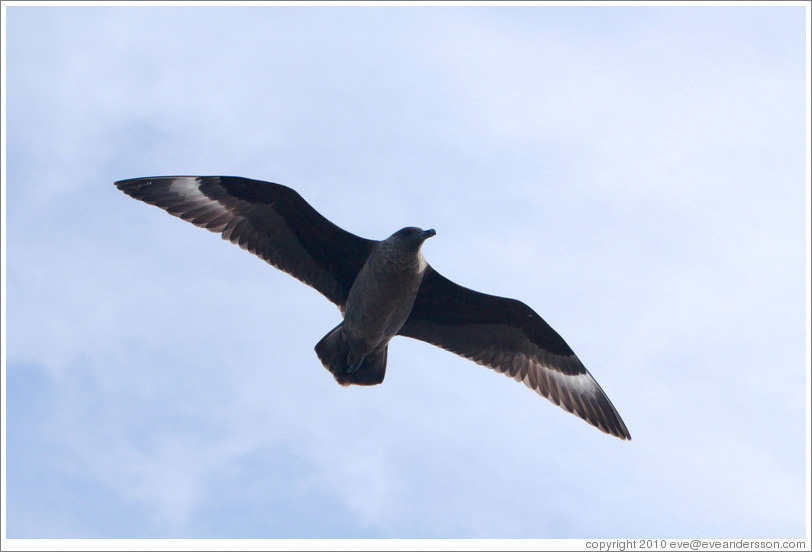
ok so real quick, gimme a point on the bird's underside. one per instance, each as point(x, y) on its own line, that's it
point(383, 288)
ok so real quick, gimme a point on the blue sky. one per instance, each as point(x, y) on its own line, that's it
point(634, 174)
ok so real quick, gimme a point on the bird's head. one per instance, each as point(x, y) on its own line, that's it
point(410, 238)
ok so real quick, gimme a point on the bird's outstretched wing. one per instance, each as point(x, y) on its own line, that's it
point(269, 220)
point(509, 337)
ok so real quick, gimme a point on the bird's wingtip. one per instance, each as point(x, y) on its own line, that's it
point(129, 183)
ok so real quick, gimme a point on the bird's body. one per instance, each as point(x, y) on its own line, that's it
point(383, 289)
point(378, 305)
point(383, 294)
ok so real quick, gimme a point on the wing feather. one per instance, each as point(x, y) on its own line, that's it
point(509, 337)
point(267, 219)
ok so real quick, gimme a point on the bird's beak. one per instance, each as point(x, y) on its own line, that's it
point(428, 233)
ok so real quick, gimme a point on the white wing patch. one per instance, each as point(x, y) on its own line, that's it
point(187, 186)
point(579, 394)
point(195, 207)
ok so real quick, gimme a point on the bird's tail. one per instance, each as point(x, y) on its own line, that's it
point(334, 353)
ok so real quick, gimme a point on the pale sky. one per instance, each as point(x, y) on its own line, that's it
point(634, 174)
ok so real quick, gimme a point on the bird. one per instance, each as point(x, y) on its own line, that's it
point(383, 289)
